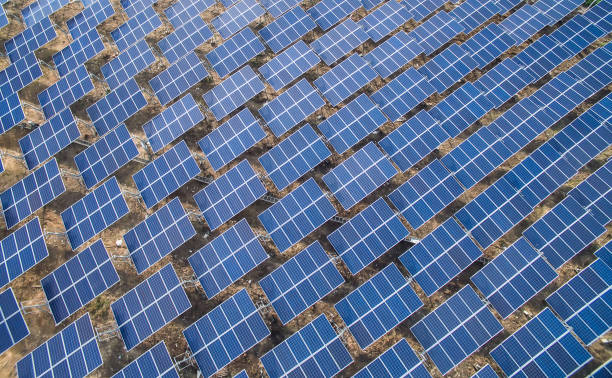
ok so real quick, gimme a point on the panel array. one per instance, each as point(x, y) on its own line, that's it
point(136, 28)
point(421, 9)
point(18, 75)
point(448, 67)
point(235, 52)
point(524, 23)
point(155, 361)
point(79, 51)
point(184, 39)
point(65, 92)
point(503, 81)
point(488, 44)
point(179, 77)
point(327, 13)
point(393, 54)
point(128, 64)
point(339, 41)
point(384, 20)
point(399, 360)
point(21, 250)
point(13, 327)
point(30, 40)
point(473, 13)
point(436, 31)
point(289, 65)
point(40, 9)
point(237, 17)
point(345, 79)
point(233, 92)
point(403, 94)
point(185, 10)
point(594, 193)
point(282, 32)
point(542, 56)
point(90, 17)
point(133, 7)
point(12, 112)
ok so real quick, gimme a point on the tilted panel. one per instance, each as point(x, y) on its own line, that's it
point(128, 64)
point(339, 41)
point(473, 13)
point(233, 92)
point(237, 17)
point(436, 31)
point(12, 112)
point(448, 67)
point(403, 94)
point(277, 7)
point(344, 79)
point(185, 39)
point(503, 81)
point(155, 361)
point(90, 17)
point(327, 13)
point(393, 54)
point(40, 9)
point(19, 75)
point(12, 324)
point(488, 44)
point(524, 23)
point(235, 52)
point(179, 77)
point(384, 20)
point(30, 40)
point(65, 92)
point(79, 51)
point(136, 28)
point(184, 10)
point(398, 360)
point(285, 30)
point(289, 65)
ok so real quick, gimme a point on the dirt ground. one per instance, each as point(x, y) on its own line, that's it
point(27, 287)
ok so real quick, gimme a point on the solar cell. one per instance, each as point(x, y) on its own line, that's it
point(127, 64)
point(156, 361)
point(328, 13)
point(89, 18)
point(49, 138)
point(577, 34)
point(393, 54)
point(40, 9)
point(368, 235)
point(235, 52)
point(117, 106)
point(506, 5)
point(149, 306)
point(291, 107)
point(78, 281)
point(133, 7)
point(229, 194)
point(384, 20)
point(378, 305)
point(503, 81)
point(486, 372)
point(30, 40)
point(488, 44)
point(184, 39)
point(12, 323)
point(289, 65)
point(556, 11)
point(179, 77)
point(370, 4)
point(164, 175)
point(233, 92)
point(315, 349)
point(12, 112)
point(524, 23)
point(420, 9)
point(226, 332)
point(436, 31)
point(79, 51)
point(473, 13)
point(542, 56)
point(136, 28)
point(18, 75)
point(72, 352)
point(297, 214)
point(344, 79)
point(448, 67)
point(594, 193)
point(543, 346)
point(237, 17)
point(294, 156)
point(339, 41)
point(301, 282)
point(31, 193)
point(65, 92)
point(285, 30)
point(603, 371)
point(184, 10)
point(399, 360)
point(605, 253)
point(277, 7)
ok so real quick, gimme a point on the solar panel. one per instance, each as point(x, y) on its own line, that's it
point(18, 75)
point(393, 54)
point(227, 258)
point(473, 13)
point(12, 323)
point(503, 81)
point(49, 138)
point(524, 23)
point(166, 174)
point(370, 4)
point(603, 371)
point(30, 40)
point(301, 282)
point(136, 28)
point(344, 79)
point(89, 18)
point(233, 92)
point(594, 193)
point(294, 156)
point(339, 41)
point(31, 193)
point(156, 361)
point(403, 94)
point(514, 277)
point(282, 32)
point(184, 39)
point(398, 360)
point(237, 17)
point(133, 7)
point(384, 20)
point(542, 56)
point(456, 329)
point(557, 11)
point(436, 31)
point(229, 194)
point(116, 107)
point(277, 7)
point(315, 349)
point(79, 51)
point(420, 9)
point(543, 346)
point(289, 65)
point(179, 77)
point(78, 281)
point(93, 213)
point(12, 112)
point(367, 236)
point(486, 372)
point(577, 34)
point(242, 374)
point(65, 92)
point(184, 10)
point(72, 352)
point(235, 52)
point(598, 14)
point(226, 332)
point(149, 306)
point(506, 5)
point(231, 139)
point(40, 9)
point(172, 122)
point(297, 214)
point(128, 64)
point(291, 107)
point(605, 253)
point(448, 67)
point(328, 13)
point(488, 44)
point(378, 305)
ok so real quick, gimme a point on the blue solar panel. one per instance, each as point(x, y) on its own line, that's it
point(524, 23)
point(31, 193)
point(291, 107)
point(229, 194)
point(242, 374)
point(282, 32)
point(78, 281)
point(456, 329)
point(289, 65)
point(301, 282)
point(12, 324)
point(555, 10)
point(339, 41)
point(136, 28)
point(503, 81)
point(328, 13)
point(542, 56)
point(514, 277)
point(127, 64)
point(384, 20)
point(359, 175)
point(235, 52)
point(297, 214)
point(605, 253)
point(378, 305)
point(184, 39)
point(420, 9)
point(79, 51)
point(488, 44)
point(227, 258)
point(486, 372)
point(184, 10)
point(368, 235)
point(344, 79)
point(172, 122)
point(3, 19)
point(603, 371)
point(506, 5)
point(158, 235)
point(92, 16)
point(436, 31)
point(233, 92)
point(352, 123)
point(577, 34)
point(73, 352)
point(11, 112)
point(65, 92)
point(315, 350)
point(473, 13)
point(226, 332)
point(448, 67)
point(294, 156)
point(40, 9)
point(117, 106)
point(30, 40)
point(403, 94)
point(370, 4)
point(237, 17)
point(542, 347)
point(149, 306)
point(95, 212)
point(164, 175)
point(399, 360)
point(18, 75)
point(393, 54)
point(278, 7)
point(133, 7)
point(599, 14)
point(179, 77)
point(154, 362)
point(49, 138)
point(594, 193)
